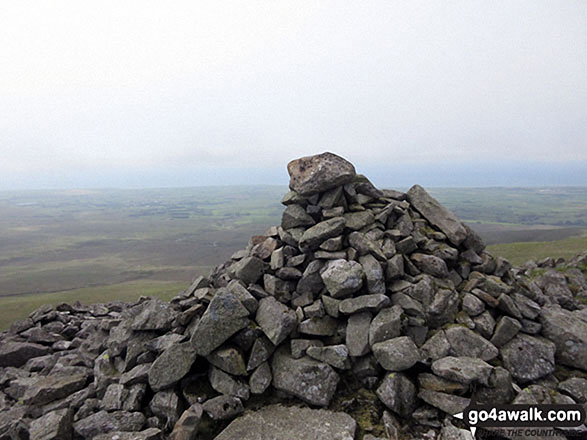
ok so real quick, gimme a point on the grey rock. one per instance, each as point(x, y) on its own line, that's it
point(387, 324)
point(314, 174)
point(280, 289)
point(373, 274)
point(334, 355)
point(173, 364)
point(242, 294)
point(472, 305)
point(484, 324)
point(289, 273)
point(312, 381)
point(450, 432)
point(325, 326)
point(228, 359)
point(443, 308)
point(134, 397)
point(330, 305)
point(396, 354)
point(186, 428)
point(465, 342)
point(528, 357)
point(332, 244)
point(357, 334)
point(314, 236)
point(363, 303)
point(46, 389)
point(395, 268)
point(433, 382)
point(342, 277)
point(223, 407)
point(576, 387)
point(226, 384)
point(447, 403)
point(139, 374)
point(437, 215)
point(299, 346)
point(166, 406)
point(224, 317)
point(261, 351)
point(554, 286)
point(295, 216)
point(356, 221)
point(331, 198)
point(105, 422)
point(398, 393)
point(154, 314)
point(365, 246)
point(406, 246)
point(569, 334)
point(16, 354)
point(55, 425)
point(500, 390)
point(264, 249)
point(430, 264)
point(114, 397)
point(275, 319)
point(249, 269)
point(147, 434)
point(314, 310)
point(505, 330)
point(277, 422)
point(464, 370)
point(12, 425)
point(260, 379)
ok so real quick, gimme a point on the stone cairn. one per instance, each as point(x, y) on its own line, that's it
point(376, 304)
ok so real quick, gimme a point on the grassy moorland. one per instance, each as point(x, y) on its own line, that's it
point(100, 245)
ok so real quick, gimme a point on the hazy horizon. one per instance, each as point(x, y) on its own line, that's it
point(143, 94)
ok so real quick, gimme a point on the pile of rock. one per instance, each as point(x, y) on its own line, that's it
point(385, 290)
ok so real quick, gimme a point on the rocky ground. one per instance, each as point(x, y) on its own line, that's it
point(379, 307)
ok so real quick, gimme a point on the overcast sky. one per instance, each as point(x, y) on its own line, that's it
point(127, 93)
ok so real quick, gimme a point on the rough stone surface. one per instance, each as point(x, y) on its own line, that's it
point(313, 174)
point(277, 422)
point(342, 277)
point(396, 354)
point(173, 364)
point(528, 357)
point(275, 319)
point(569, 334)
point(463, 370)
point(398, 393)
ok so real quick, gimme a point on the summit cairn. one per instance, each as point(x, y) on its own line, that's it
point(378, 313)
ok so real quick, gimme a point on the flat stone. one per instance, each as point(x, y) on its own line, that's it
point(398, 393)
point(334, 355)
point(228, 359)
point(173, 364)
point(314, 174)
point(357, 334)
point(249, 269)
point(528, 358)
point(154, 315)
point(186, 428)
point(105, 422)
point(275, 319)
point(430, 264)
point(396, 354)
point(277, 422)
point(223, 407)
point(314, 236)
point(363, 303)
point(342, 277)
point(16, 354)
point(437, 214)
point(356, 221)
point(464, 370)
point(295, 216)
point(224, 317)
point(147, 434)
point(386, 325)
point(55, 425)
point(225, 384)
point(325, 326)
point(465, 342)
point(261, 351)
point(505, 330)
point(49, 388)
point(312, 381)
point(447, 403)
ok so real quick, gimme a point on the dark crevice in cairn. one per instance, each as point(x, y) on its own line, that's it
point(370, 303)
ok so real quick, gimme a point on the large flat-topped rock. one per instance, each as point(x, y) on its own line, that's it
point(313, 174)
point(437, 214)
point(278, 422)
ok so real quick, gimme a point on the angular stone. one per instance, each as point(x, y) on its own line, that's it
point(314, 174)
point(166, 406)
point(443, 308)
point(396, 354)
point(249, 269)
point(437, 214)
point(447, 403)
point(275, 319)
point(277, 422)
point(295, 216)
point(363, 303)
point(223, 407)
point(139, 374)
point(464, 370)
point(334, 355)
point(147, 434)
point(16, 354)
point(325, 326)
point(395, 268)
point(373, 274)
point(103, 422)
point(261, 351)
point(357, 334)
point(173, 364)
point(472, 305)
point(312, 381)
point(356, 221)
point(467, 343)
point(55, 425)
point(114, 397)
point(224, 317)
point(569, 334)
point(228, 359)
point(342, 277)
point(226, 384)
point(365, 246)
point(576, 387)
point(505, 330)
point(528, 358)
point(398, 393)
point(313, 237)
point(299, 346)
point(430, 264)
point(186, 428)
point(242, 294)
point(49, 388)
point(386, 325)
point(433, 382)
point(260, 379)
point(154, 315)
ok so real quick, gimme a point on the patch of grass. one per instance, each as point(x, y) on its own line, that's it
point(19, 307)
point(519, 253)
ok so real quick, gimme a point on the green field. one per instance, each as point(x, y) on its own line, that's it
point(100, 245)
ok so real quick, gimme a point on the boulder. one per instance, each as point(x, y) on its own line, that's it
point(315, 174)
point(569, 334)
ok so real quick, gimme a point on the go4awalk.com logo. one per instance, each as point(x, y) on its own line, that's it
point(525, 420)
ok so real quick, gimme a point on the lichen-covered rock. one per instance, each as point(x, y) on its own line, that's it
point(342, 277)
point(275, 319)
point(314, 174)
point(569, 334)
point(398, 393)
point(173, 364)
point(528, 357)
point(396, 354)
point(463, 369)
